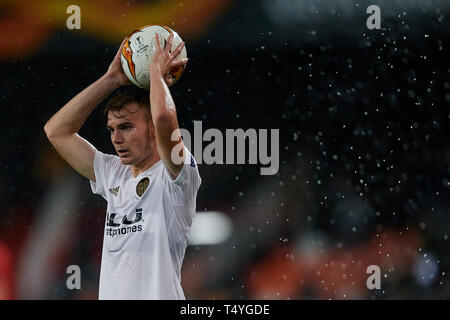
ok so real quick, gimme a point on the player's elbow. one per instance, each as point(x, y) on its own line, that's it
point(50, 131)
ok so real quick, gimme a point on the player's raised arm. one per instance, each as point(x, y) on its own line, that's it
point(162, 106)
point(63, 126)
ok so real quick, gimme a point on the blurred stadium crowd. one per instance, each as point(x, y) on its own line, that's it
point(364, 159)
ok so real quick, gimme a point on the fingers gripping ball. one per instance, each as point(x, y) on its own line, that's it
point(138, 51)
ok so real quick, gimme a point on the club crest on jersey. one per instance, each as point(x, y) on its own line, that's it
point(115, 190)
point(142, 186)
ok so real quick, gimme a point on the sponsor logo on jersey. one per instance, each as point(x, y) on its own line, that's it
point(125, 226)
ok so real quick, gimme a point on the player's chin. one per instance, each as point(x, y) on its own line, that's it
point(126, 160)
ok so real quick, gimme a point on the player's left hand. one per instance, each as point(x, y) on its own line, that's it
point(115, 70)
point(164, 60)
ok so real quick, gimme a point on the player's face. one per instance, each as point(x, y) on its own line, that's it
point(131, 134)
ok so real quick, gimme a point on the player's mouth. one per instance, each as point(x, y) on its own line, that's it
point(123, 152)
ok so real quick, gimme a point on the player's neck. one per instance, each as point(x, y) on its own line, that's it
point(145, 164)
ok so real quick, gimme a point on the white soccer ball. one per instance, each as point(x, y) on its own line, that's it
point(138, 51)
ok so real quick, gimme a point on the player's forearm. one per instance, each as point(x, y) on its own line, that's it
point(165, 122)
point(70, 118)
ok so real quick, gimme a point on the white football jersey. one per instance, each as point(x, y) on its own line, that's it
point(147, 227)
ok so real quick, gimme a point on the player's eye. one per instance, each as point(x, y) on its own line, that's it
point(127, 127)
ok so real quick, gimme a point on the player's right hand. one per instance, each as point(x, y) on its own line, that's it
point(115, 71)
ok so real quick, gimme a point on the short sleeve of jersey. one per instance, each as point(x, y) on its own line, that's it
point(105, 167)
point(183, 190)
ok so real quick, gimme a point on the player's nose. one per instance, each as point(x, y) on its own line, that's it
point(116, 137)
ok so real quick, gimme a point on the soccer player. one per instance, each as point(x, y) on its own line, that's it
point(151, 186)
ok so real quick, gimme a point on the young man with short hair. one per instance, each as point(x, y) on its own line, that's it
point(151, 186)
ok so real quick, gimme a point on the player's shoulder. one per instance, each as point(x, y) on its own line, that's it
point(188, 174)
point(107, 158)
point(108, 164)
